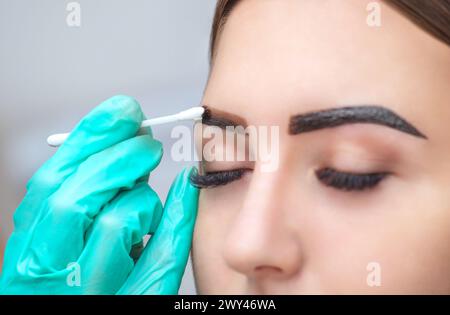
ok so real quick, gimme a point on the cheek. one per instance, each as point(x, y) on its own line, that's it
point(407, 238)
point(416, 238)
point(217, 208)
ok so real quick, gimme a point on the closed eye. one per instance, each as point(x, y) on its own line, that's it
point(349, 181)
point(220, 178)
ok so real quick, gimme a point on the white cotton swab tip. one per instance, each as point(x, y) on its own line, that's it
point(194, 113)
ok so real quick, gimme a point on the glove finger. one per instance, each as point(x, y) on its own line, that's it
point(161, 266)
point(113, 121)
point(72, 208)
point(120, 225)
point(145, 131)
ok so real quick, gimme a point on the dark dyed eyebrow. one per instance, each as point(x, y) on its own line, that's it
point(222, 119)
point(336, 117)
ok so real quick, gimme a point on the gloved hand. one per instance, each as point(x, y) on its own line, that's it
point(89, 205)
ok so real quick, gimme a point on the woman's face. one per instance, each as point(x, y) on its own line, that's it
point(363, 207)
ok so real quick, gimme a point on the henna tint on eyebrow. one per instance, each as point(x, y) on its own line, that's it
point(218, 118)
point(336, 117)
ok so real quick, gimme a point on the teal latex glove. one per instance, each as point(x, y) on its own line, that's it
point(89, 206)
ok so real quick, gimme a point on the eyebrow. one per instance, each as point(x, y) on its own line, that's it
point(336, 117)
point(221, 119)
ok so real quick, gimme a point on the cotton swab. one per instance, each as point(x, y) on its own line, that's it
point(194, 113)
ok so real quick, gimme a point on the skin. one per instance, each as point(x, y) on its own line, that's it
point(284, 232)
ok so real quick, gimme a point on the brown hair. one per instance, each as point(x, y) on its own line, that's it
point(431, 15)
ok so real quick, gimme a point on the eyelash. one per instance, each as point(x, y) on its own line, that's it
point(214, 179)
point(349, 181)
point(329, 177)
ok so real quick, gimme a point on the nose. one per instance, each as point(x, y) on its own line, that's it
point(260, 243)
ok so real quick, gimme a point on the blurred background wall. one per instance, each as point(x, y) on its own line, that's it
point(52, 74)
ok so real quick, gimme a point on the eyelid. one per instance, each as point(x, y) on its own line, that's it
point(223, 166)
point(230, 146)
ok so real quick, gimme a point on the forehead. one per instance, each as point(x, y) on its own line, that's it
point(323, 53)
